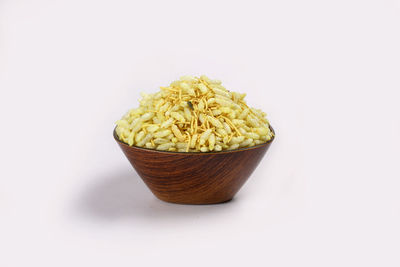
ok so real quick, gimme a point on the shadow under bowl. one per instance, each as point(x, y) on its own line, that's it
point(194, 177)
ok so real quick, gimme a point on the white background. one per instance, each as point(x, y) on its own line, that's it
point(326, 72)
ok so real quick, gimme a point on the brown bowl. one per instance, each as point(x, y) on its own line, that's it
point(194, 177)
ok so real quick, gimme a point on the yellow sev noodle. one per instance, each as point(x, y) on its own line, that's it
point(194, 114)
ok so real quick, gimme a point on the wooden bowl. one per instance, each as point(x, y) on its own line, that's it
point(194, 177)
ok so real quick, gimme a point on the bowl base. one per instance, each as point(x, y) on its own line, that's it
point(196, 202)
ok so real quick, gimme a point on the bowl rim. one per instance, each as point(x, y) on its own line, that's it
point(194, 153)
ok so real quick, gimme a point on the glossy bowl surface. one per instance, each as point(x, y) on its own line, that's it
point(194, 177)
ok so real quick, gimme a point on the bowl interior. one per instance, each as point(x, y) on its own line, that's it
point(197, 153)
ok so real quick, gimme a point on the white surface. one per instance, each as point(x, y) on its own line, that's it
point(326, 72)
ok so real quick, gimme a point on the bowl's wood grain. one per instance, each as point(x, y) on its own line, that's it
point(194, 178)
